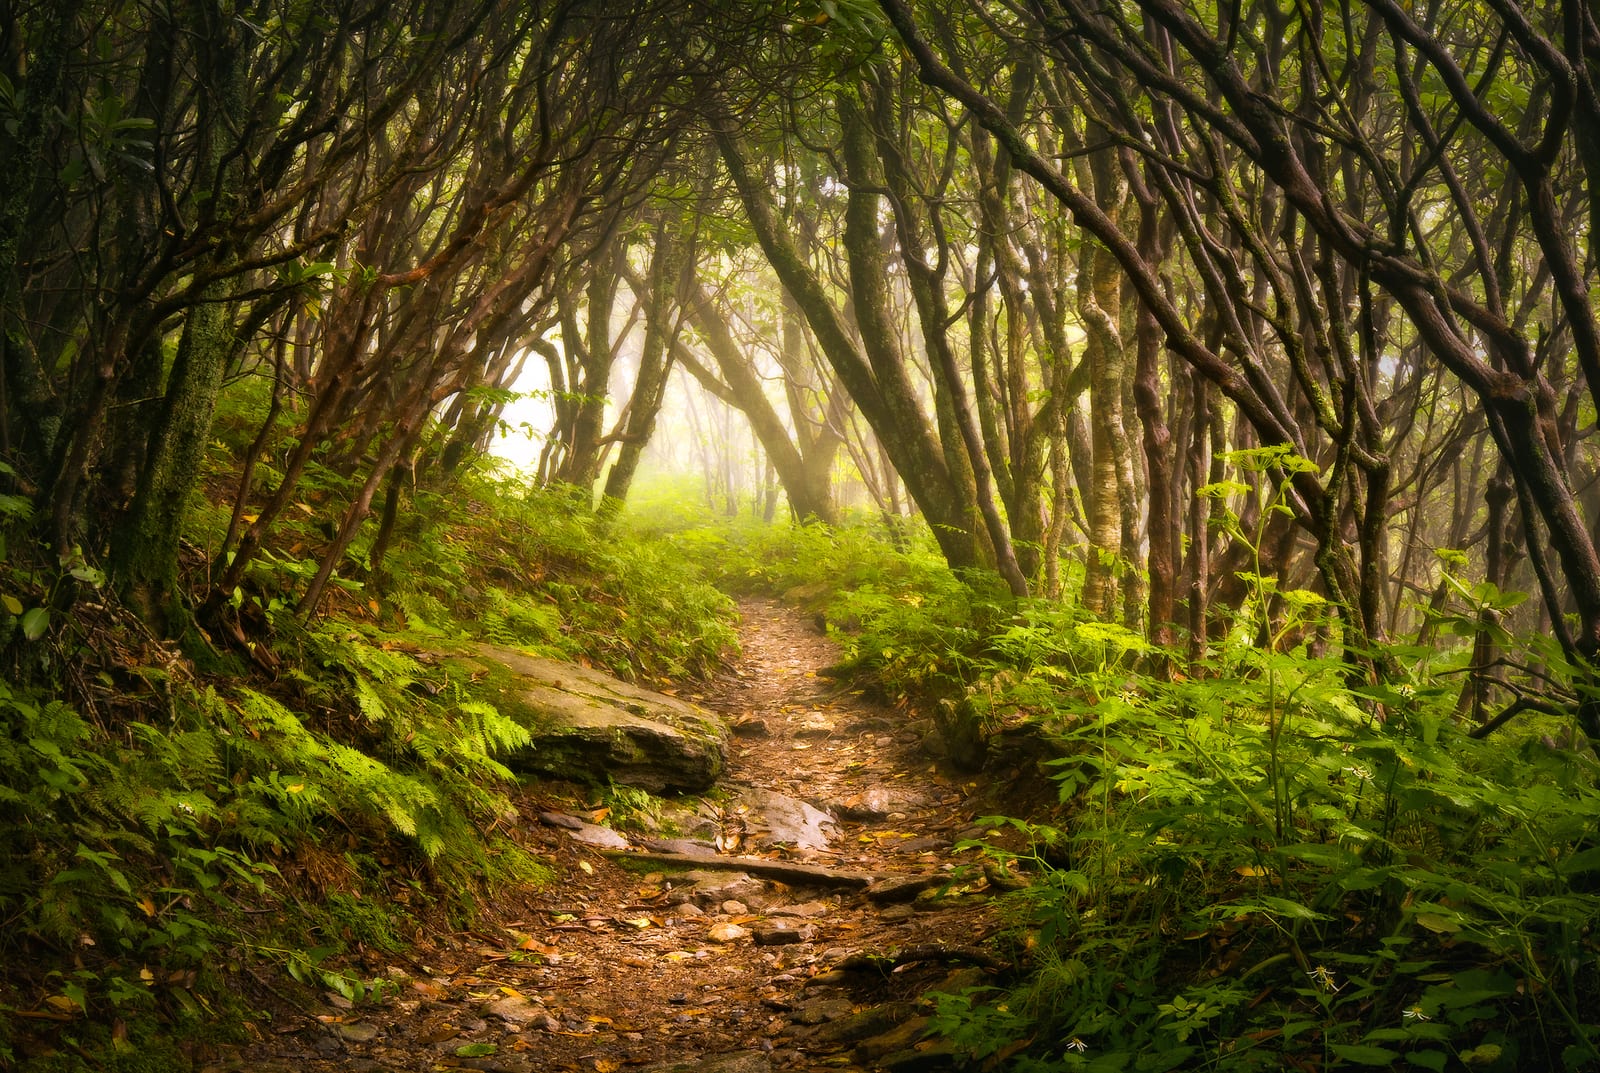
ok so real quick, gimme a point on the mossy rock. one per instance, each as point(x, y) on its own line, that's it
point(590, 727)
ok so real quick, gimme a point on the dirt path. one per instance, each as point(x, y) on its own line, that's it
point(626, 965)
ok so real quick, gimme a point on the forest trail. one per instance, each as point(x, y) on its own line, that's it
point(625, 965)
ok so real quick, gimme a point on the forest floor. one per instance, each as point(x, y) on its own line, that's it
point(628, 964)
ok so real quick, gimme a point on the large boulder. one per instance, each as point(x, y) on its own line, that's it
point(591, 727)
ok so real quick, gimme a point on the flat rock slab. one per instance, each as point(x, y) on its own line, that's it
point(775, 818)
point(878, 803)
point(803, 910)
point(590, 727)
point(678, 845)
point(592, 834)
point(864, 1024)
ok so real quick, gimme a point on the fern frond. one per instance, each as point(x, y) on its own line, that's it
point(373, 709)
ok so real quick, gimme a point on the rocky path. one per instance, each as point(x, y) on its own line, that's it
point(630, 963)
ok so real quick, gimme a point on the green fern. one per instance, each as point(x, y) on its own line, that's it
point(372, 707)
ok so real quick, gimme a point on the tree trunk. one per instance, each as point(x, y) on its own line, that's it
point(662, 323)
point(880, 387)
point(807, 482)
point(928, 295)
point(144, 564)
point(1161, 527)
point(1099, 290)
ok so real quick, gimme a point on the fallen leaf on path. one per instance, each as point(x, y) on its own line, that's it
point(536, 946)
point(438, 1034)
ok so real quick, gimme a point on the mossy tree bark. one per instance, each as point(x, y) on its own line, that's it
point(144, 562)
point(29, 415)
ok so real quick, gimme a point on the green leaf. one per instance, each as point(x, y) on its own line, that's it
point(35, 623)
point(12, 605)
point(476, 1050)
point(1586, 861)
point(1434, 1060)
point(1363, 1055)
point(1434, 922)
point(88, 575)
point(76, 993)
point(1291, 909)
point(15, 507)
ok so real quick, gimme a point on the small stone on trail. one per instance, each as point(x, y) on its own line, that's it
point(820, 1010)
point(872, 722)
point(727, 932)
point(359, 1032)
point(784, 934)
point(589, 833)
point(515, 1011)
point(894, 914)
point(545, 1023)
point(690, 846)
point(900, 888)
point(708, 887)
point(877, 803)
point(751, 727)
point(804, 909)
point(735, 908)
point(780, 818)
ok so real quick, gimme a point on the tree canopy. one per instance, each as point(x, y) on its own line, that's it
point(1172, 326)
point(1064, 279)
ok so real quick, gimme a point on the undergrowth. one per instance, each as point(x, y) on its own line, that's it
point(1268, 861)
point(294, 806)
